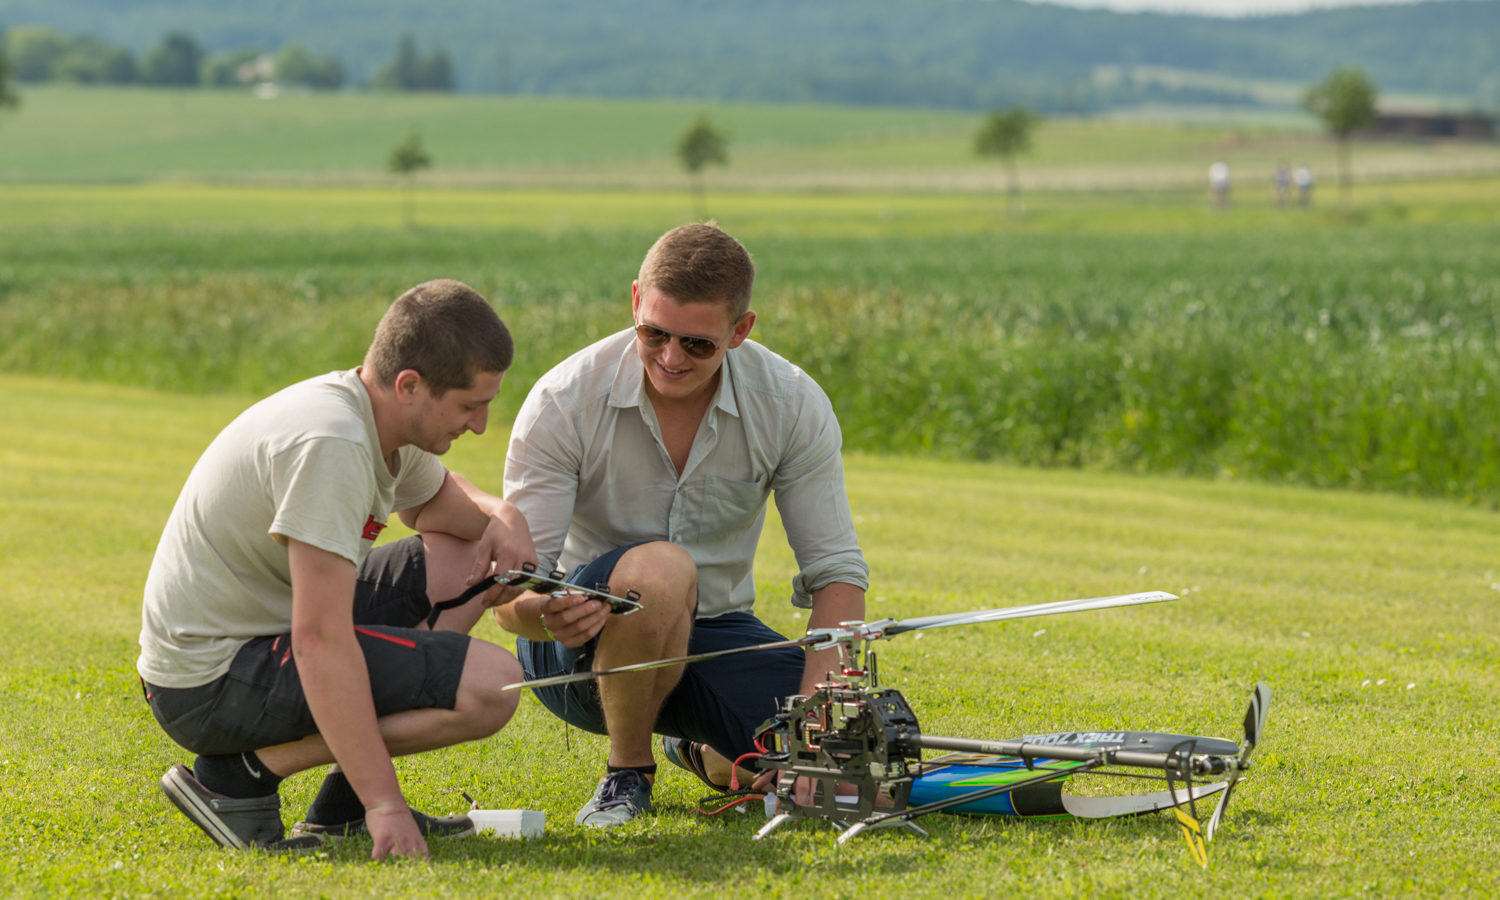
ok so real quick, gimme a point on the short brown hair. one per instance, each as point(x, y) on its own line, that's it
point(444, 330)
point(700, 262)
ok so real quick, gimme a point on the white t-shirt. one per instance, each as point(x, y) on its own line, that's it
point(305, 464)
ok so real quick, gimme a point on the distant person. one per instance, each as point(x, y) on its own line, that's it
point(274, 639)
point(1218, 183)
point(644, 462)
point(1302, 176)
point(1281, 183)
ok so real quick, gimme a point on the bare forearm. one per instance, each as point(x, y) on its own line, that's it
point(337, 687)
point(523, 617)
point(832, 604)
point(451, 510)
point(497, 528)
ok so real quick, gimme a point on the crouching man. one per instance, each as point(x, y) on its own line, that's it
point(274, 639)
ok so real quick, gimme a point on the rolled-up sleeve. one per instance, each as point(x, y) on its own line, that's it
point(541, 472)
point(810, 496)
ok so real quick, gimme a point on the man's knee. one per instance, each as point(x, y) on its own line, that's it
point(659, 571)
point(486, 705)
point(448, 563)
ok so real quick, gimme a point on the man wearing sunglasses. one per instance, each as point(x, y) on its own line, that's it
point(644, 462)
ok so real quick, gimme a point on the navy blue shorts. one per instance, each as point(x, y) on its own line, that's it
point(720, 702)
point(259, 701)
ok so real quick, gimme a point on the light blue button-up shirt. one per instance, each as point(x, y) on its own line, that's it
point(589, 469)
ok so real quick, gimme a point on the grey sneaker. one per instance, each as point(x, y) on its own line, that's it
point(254, 822)
point(431, 826)
point(620, 797)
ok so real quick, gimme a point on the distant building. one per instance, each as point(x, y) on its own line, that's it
point(1462, 126)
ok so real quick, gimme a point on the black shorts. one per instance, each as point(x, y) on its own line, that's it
point(720, 702)
point(259, 701)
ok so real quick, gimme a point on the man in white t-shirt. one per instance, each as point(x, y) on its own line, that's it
point(644, 462)
point(274, 639)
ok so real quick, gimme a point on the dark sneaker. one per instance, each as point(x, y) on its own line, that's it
point(620, 797)
point(688, 755)
point(231, 822)
point(432, 827)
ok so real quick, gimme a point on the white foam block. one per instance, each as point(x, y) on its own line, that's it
point(509, 822)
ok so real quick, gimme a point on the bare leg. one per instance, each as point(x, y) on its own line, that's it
point(480, 709)
point(448, 562)
point(667, 580)
point(717, 766)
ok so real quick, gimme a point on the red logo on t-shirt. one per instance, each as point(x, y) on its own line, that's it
point(372, 529)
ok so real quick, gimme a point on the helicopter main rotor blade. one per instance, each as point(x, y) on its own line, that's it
point(573, 678)
point(1022, 612)
point(853, 631)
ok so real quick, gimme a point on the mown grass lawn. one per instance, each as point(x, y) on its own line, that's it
point(1372, 617)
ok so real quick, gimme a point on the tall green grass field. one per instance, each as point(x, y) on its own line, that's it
point(1287, 416)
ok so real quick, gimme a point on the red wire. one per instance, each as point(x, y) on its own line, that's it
point(738, 801)
point(734, 770)
point(734, 786)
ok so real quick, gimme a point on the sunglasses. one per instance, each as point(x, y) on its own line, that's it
point(696, 347)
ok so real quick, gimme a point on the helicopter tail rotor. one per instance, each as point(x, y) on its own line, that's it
point(1255, 723)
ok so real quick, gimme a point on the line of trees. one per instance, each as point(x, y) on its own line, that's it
point(38, 55)
point(7, 96)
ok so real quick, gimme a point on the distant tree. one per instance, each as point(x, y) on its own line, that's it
point(41, 54)
point(1345, 101)
point(236, 67)
point(698, 146)
point(8, 97)
point(409, 71)
point(88, 61)
point(435, 72)
point(406, 159)
point(401, 73)
point(1006, 133)
point(295, 64)
point(175, 62)
point(34, 50)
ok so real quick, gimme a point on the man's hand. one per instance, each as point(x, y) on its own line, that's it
point(573, 619)
point(502, 548)
point(394, 831)
point(499, 530)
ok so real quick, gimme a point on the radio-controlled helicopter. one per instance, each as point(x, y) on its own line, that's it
point(860, 744)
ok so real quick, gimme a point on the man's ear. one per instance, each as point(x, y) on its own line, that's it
point(742, 329)
point(406, 384)
point(635, 300)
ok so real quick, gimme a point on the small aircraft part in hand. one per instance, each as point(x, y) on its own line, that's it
point(527, 578)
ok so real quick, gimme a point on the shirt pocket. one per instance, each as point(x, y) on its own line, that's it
point(727, 508)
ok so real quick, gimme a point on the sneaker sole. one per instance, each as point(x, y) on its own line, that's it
point(182, 795)
point(689, 758)
point(600, 818)
point(436, 829)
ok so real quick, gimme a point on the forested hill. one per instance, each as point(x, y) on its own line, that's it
point(949, 53)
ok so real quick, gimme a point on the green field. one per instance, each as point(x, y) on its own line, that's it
point(128, 135)
point(1371, 617)
point(1286, 416)
point(1339, 348)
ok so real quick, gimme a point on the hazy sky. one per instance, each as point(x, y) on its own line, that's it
point(1219, 7)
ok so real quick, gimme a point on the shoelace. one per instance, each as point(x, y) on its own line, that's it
point(619, 788)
